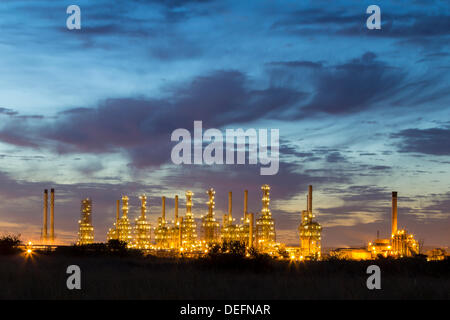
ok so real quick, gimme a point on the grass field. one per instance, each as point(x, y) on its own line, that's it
point(112, 277)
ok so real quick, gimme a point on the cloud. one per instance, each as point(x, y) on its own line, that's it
point(142, 126)
point(432, 141)
point(353, 87)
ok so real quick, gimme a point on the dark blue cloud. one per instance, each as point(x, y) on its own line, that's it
point(432, 141)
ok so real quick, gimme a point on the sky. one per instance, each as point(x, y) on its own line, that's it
point(360, 113)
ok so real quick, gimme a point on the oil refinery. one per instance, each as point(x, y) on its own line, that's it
point(255, 230)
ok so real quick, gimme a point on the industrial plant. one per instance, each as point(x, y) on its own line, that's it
point(254, 230)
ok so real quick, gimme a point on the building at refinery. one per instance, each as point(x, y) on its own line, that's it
point(142, 229)
point(310, 232)
point(86, 230)
point(400, 244)
point(252, 230)
point(122, 229)
point(189, 236)
point(181, 233)
point(265, 225)
point(210, 226)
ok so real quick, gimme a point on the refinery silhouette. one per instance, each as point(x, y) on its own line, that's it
point(183, 235)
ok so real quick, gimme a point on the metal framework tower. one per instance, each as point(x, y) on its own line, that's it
point(142, 227)
point(162, 234)
point(265, 225)
point(230, 231)
point(189, 226)
point(209, 224)
point(86, 230)
point(124, 228)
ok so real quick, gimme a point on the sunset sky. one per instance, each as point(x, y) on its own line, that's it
point(360, 112)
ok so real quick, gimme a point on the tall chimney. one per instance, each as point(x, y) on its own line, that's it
point(163, 209)
point(250, 231)
point(245, 203)
point(52, 214)
point(176, 209)
point(310, 198)
point(394, 212)
point(44, 227)
point(230, 206)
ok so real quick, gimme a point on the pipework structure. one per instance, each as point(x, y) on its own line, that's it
point(174, 231)
point(86, 229)
point(265, 225)
point(188, 225)
point(113, 233)
point(142, 227)
point(124, 228)
point(210, 226)
point(310, 232)
point(247, 224)
point(162, 235)
point(230, 231)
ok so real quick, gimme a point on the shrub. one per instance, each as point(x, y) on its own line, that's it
point(10, 244)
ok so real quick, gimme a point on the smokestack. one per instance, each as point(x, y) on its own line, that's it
point(245, 203)
point(310, 198)
point(176, 209)
point(52, 214)
point(394, 212)
point(44, 227)
point(250, 231)
point(230, 206)
point(163, 210)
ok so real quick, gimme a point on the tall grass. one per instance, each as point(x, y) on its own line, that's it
point(43, 276)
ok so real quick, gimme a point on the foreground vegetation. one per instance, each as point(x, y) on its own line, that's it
point(110, 271)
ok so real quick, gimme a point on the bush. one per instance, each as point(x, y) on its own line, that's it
point(111, 248)
point(10, 244)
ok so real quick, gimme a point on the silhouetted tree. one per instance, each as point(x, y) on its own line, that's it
point(9, 244)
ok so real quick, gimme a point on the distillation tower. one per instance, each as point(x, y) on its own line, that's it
point(86, 230)
point(142, 227)
point(188, 225)
point(209, 224)
point(265, 226)
point(310, 232)
point(124, 229)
